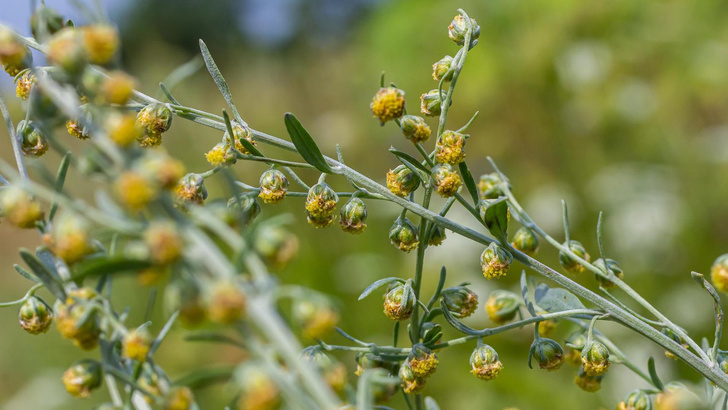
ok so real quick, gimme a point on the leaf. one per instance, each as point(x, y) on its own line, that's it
point(409, 160)
point(107, 265)
point(248, 146)
point(496, 219)
point(163, 333)
point(219, 81)
point(41, 271)
point(653, 374)
point(24, 273)
point(48, 259)
point(469, 181)
point(60, 180)
point(212, 337)
point(305, 144)
point(376, 285)
point(525, 292)
point(431, 404)
point(455, 323)
point(558, 300)
point(205, 377)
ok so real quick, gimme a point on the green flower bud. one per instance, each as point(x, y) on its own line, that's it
point(273, 186)
point(245, 207)
point(70, 238)
point(437, 236)
point(450, 148)
point(190, 190)
point(575, 344)
point(495, 261)
point(440, 68)
point(637, 400)
point(502, 306)
point(458, 29)
point(24, 85)
point(612, 266)
point(33, 141)
point(136, 345)
point(153, 120)
point(19, 208)
point(320, 204)
point(446, 181)
point(83, 377)
point(588, 383)
point(570, 264)
point(548, 354)
point(460, 301)
point(240, 132)
point(410, 382)
point(316, 318)
point(257, 389)
point(388, 104)
point(431, 103)
point(77, 130)
point(719, 273)
point(595, 358)
point(415, 129)
point(526, 241)
point(35, 316)
point(74, 322)
point(401, 181)
point(45, 22)
point(489, 186)
point(276, 245)
point(353, 216)
point(431, 333)
point(422, 361)
point(403, 235)
point(15, 56)
point(484, 204)
point(484, 363)
point(395, 305)
point(65, 50)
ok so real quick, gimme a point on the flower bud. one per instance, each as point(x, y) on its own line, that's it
point(149, 381)
point(526, 241)
point(100, 41)
point(159, 167)
point(245, 207)
point(548, 354)
point(495, 261)
point(15, 56)
point(719, 273)
point(353, 216)
point(25, 84)
point(637, 400)
point(396, 305)
point(136, 345)
point(612, 266)
point(450, 148)
point(431, 103)
point(570, 264)
point(276, 245)
point(77, 130)
point(153, 120)
point(164, 243)
point(191, 190)
point(403, 235)
point(220, 155)
point(675, 396)
point(32, 141)
point(458, 29)
point(431, 333)
point(588, 383)
point(180, 398)
point(257, 390)
point(118, 88)
point(437, 236)
point(365, 361)
point(460, 301)
point(74, 322)
point(226, 303)
point(19, 208)
point(273, 186)
point(446, 181)
point(489, 186)
point(441, 68)
point(121, 128)
point(65, 50)
point(82, 377)
point(35, 316)
point(502, 306)
point(186, 297)
point(320, 204)
point(422, 361)
point(575, 344)
point(45, 21)
point(546, 327)
point(484, 363)
point(333, 371)
point(401, 181)
point(70, 239)
point(239, 132)
point(134, 190)
point(410, 382)
point(316, 318)
point(595, 358)
point(388, 104)
point(415, 129)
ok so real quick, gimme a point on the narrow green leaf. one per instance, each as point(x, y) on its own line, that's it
point(305, 144)
point(24, 273)
point(407, 158)
point(41, 271)
point(526, 293)
point(496, 219)
point(219, 81)
point(48, 259)
point(205, 377)
point(248, 146)
point(469, 181)
point(376, 285)
point(653, 374)
point(107, 265)
point(163, 333)
point(213, 338)
point(168, 94)
point(182, 72)
point(455, 323)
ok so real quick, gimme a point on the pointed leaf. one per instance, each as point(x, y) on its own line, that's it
point(496, 219)
point(406, 158)
point(219, 81)
point(205, 377)
point(24, 273)
point(558, 300)
point(525, 292)
point(305, 144)
point(107, 265)
point(469, 181)
point(376, 285)
point(653, 374)
point(48, 259)
point(41, 271)
point(455, 323)
point(213, 337)
point(60, 180)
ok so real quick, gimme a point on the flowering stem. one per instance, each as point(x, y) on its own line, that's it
point(27, 296)
point(14, 141)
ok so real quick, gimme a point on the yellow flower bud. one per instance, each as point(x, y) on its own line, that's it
point(77, 130)
point(24, 85)
point(588, 383)
point(403, 235)
point(220, 155)
point(71, 312)
point(548, 354)
point(395, 305)
point(33, 142)
point(422, 361)
point(388, 104)
point(19, 208)
point(273, 186)
point(353, 216)
point(164, 243)
point(431, 103)
point(719, 273)
point(526, 241)
point(320, 204)
point(410, 382)
point(460, 301)
point(401, 181)
point(239, 132)
point(226, 303)
point(459, 28)
point(315, 318)
point(35, 316)
point(159, 167)
point(257, 390)
point(446, 181)
point(495, 261)
point(595, 359)
point(450, 148)
point(485, 363)
point(153, 120)
point(180, 398)
point(118, 88)
point(502, 306)
point(100, 42)
point(83, 377)
point(136, 345)
point(415, 129)
point(15, 56)
point(637, 400)
point(276, 245)
point(134, 190)
point(191, 190)
point(568, 262)
point(70, 239)
point(122, 128)
point(65, 50)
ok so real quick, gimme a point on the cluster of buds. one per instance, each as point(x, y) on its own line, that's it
point(569, 263)
point(610, 266)
point(484, 362)
point(419, 365)
point(35, 316)
point(388, 104)
point(446, 181)
point(502, 306)
point(401, 181)
point(320, 204)
point(460, 301)
point(526, 241)
point(20, 208)
point(495, 261)
point(74, 321)
point(82, 377)
point(32, 137)
point(548, 354)
point(225, 302)
point(403, 235)
point(399, 301)
point(257, 389)
point(152, 121)
point(316, 318)
point(450, 148)
point(70, 238)
point(415, 128)
point(353, 216)
point(273, 186)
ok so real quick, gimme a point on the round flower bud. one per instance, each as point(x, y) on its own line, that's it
point(65, 50)
point(431, 103)
point(403, 235)
point(320, 204)
point(83, 377)
point(675, 396)
point(32, 139)
point(460, 301)
point(575, 344)
point(121, 128)
point(15, 56)
point(180, 398)
point(489, 186)
point(353, 216)
point(395, 305)
point(612, 266)
point(570, 264)
point(441, 68)
point(273, 186)
point(410, 382)
point(45, 21)
point(458, 29)
point(19, 208)
point(100, 41)
point(450, 148)
point(446, 181)
point(159, 167)
point(35, 316)
point(495, 261)
point(388, 104)
point(526, 241)
point(239, 132)
point(548, 354)
point(315, 318)
point(24, 84)
point(415, 129)
point(136, 345)
point(595, 358)
point(484, 363)
point(191, 190)
point(401, 181)
point(437, 236)
point(588, 383)
point(164, 243)
point(719, 273)
point(118, 88)
point(134, 190)
point(276, 245)
point(70, 239)
point(226, 303)
point(220, 155)
point(422, 361)
point(502, 306)
point(245, 207)
point(153, 120)
point(637, 400)
point(77, 130)
point(186, 297)
point(257, 390)
point(74, 322)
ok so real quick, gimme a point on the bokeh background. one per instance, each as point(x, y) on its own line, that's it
point(617, 106)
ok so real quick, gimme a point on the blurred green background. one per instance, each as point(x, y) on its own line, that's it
point(617, 106)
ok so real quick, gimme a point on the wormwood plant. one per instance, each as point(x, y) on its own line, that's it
point(152, 219)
